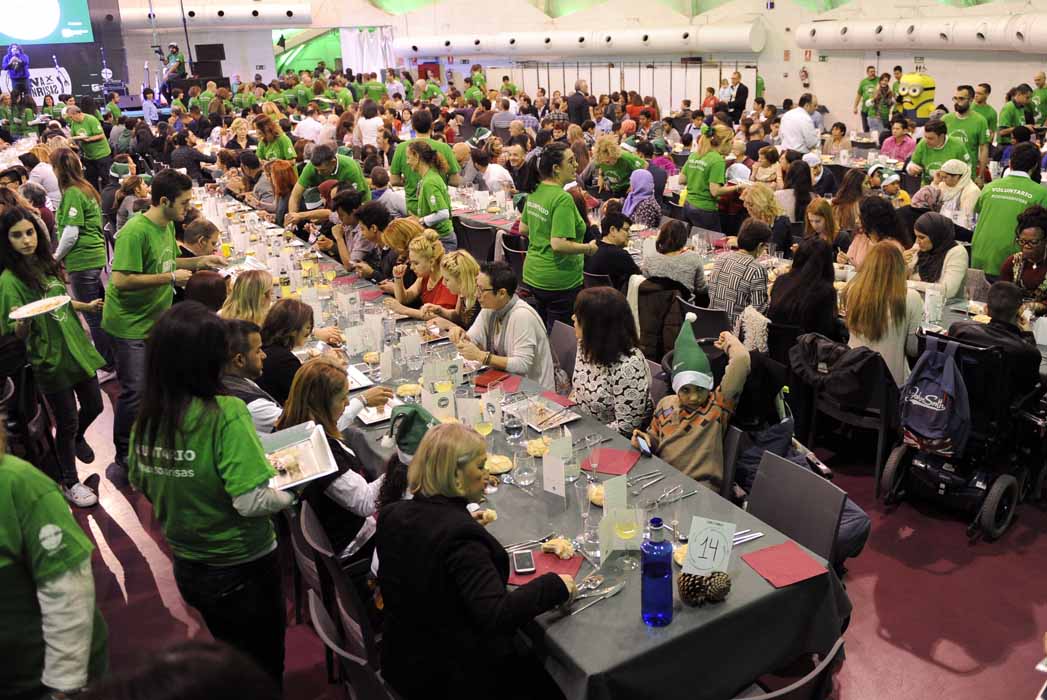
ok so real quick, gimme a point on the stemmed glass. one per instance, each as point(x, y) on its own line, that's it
point(592, 443)
point(628, 525)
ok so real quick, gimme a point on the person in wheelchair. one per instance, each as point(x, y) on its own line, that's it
point(1019, 347)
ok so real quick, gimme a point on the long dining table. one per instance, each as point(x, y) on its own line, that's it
point(706, 653)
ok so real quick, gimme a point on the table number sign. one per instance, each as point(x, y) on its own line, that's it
point(709, 546)
point(492, 405)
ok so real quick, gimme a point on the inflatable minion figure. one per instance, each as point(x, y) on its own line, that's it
point(917, 93)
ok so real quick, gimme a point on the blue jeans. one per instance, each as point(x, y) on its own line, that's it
point(449, 242)
point(86, 286)
point(243, 605)
point(130, 370)
point(70, 424)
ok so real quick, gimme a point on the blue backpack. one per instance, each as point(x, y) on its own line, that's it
point(935, 414)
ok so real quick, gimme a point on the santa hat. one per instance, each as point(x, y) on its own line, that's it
point(407, 427)
point(690, 364)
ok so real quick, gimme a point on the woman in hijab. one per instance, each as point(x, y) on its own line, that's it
point(936, 256)
point(640, 205)
point(959, 194)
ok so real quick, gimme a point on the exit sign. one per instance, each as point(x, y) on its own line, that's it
point(822, 58)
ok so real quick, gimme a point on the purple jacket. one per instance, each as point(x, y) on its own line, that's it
point(19, 72)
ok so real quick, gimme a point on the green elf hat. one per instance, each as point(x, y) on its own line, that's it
point(690, 364)
point(119, 170)
point(147, 179)
point(660, 146)
point(409, 424)
point(479, 137)
point(312, 199)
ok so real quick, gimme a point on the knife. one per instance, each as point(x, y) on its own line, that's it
point(614, 589)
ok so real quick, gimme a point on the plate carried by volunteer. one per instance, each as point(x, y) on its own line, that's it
point(299, 455)
point(377, 414)
point(39, 307)
point(357, 379)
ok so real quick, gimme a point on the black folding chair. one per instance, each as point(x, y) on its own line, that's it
point(710, 322)
point(477, 240)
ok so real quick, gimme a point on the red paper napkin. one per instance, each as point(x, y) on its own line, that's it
point(499, 222)
point(544, 563)
point(509, 385)
point(613, 462)
point(491, 376)
point(784, 564)
point(647, 233)
point(557, 399)
point(371, 294)
point(348, 279)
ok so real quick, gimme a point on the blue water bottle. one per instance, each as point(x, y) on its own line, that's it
point(656, 583)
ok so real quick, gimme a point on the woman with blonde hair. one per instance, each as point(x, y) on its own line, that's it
point(576, 139)
point(250, 298)
point(241, 139)
point(344, 501)
point(882, 313)
point(424, 255)
point(705, 174)
point(272, 110)
point(459, 270)
point(614, 166)
point(43, 174)
point(443, 576)
point(761, 204)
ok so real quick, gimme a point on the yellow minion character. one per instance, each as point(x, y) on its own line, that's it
point(917, 93)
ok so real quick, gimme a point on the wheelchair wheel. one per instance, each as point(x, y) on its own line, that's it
point(998, 508)
point(892, 480)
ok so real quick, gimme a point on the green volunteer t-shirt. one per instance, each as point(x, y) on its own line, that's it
point(81, 210)
point(215, 457)
point(89, 126)
point(399, 167)
point(433, 197)
point(280, 149)
point(432, 91)
point(511, 88)
point(1039, 103)
point(616, 176)
point(479, 79)
point(57, 345)
point(144, 248)
point(243, 100)
point(760, 87)
point(177, 59)
point(698, 173)
point(20, 119)
point(39, 540)
point(114, 109)
point(1011, 115)
point(866, 89)
point(998, 208)
point(375, 90)
point(408, 91)
point(988, 114)
point(179, 104)
point(972, 132)
point(474, 93)
point(931, 159)
point(344, 96)
point(303, 94)
point(347, 170)
point(204, 100)
point(551, 213)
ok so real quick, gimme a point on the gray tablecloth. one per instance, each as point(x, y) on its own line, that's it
point(706, 653)
point(953, 312)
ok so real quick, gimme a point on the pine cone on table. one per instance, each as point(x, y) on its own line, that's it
point(692, 589)
point(717, 586)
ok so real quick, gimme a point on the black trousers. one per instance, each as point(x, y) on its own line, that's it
point(243, 606)
point(97, 171)
point(553, 306)
point(71, 424)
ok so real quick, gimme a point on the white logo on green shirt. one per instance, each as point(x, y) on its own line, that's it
point(51, 537)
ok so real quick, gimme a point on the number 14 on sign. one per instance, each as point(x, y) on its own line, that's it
point(710, 546)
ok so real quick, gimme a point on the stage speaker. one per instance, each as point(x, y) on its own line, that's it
point(210, 52)
point(208, 69)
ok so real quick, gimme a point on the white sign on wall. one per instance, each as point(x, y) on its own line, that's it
point(43, 81)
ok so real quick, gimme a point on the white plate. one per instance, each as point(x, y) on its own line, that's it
point(520, 409)
point(372, 415)
point(357, 379)
point(39, 307)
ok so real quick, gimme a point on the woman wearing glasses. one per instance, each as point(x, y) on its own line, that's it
point(1028, 267)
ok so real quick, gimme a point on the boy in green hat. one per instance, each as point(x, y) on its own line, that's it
point(688, 427)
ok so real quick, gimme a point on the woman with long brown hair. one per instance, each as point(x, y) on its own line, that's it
point(434, 200)
point(344, 501)
point(273, 143)
point(845, 201)
point(882, 313)
point(81, 245)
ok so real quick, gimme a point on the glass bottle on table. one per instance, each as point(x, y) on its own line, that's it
point(656, 578)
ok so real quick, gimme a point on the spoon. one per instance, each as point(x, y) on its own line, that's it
point(639, 489)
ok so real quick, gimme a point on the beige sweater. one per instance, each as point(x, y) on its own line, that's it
point(692, 439)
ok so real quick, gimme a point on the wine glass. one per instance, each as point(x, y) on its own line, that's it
point(484, 426)
point(581, 492)
point(525, 470)
point(592, 443)
point(513, 426)
point(628, 525)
